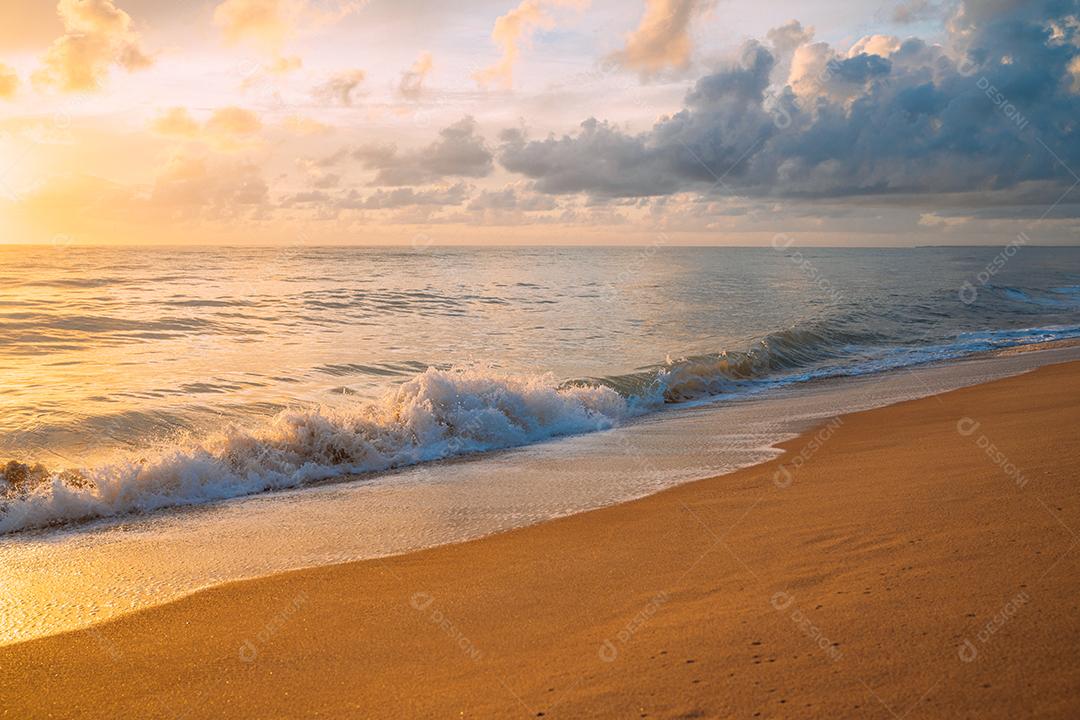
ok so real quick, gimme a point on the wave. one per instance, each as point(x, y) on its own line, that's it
point(442, 413)
point(1065, 297)
point(766, 361)
point(435, 415)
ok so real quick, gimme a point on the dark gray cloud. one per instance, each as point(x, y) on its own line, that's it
point(460, 151)
point(997, 110)
point(859, 69)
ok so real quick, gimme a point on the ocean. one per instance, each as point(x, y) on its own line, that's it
point(136, 379)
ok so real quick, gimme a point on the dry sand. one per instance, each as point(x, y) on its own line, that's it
point(899, 569)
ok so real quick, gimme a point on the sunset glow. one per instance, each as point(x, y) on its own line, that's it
point(549, 121)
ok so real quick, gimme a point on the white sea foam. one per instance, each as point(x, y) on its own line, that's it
point(436, 414)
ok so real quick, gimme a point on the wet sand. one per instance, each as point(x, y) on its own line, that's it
point(914, 561)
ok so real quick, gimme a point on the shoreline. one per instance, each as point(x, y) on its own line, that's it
point(113, 567)
point(543, 605)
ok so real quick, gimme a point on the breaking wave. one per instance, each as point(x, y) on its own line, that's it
point(443, 413)
point(437, 414)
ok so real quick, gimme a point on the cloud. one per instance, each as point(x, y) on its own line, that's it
point(911, 11)
point(97, 35)
point(808, 71)
point(918, 123)
point(859, 69)
point(511, 198)
point(786, 41)
point(264, 23)
point(270, 25)
point(459, 152)
point(9, 82)
point(316, 176)
point(662, 40)
point(233, 122)
point(724, 116)
point(192, 184)
point(514, 29)
point(405, 197)
point(175, 122)
point(787, 37)
point(227, 128)
point(340, 88)
point(883, 45)
point(301, 125)
point(412, 80)
point(326, 181)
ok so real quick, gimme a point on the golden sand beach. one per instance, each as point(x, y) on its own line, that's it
point(915, 561)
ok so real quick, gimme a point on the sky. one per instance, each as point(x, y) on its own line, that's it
point(628, 122)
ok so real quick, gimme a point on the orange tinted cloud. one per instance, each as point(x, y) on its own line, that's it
point(177, 122)
point(228, 128)
point(271, 24)
point(97, 35)
point(300, 125)
point(662, 40)
point(9, 82)
point(266, 23)
point(233, 122)
point(514, 29)
point(883, 45)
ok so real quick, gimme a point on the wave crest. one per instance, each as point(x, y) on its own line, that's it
point(435, 415)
